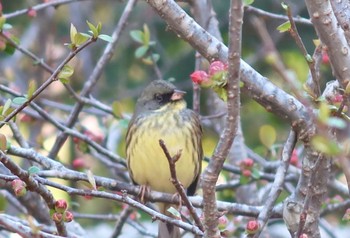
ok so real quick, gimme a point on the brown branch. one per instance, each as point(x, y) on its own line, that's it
point(180, 189)
point(94, 77)
point(48, 82)
point(211, 173)
point(329, 32)
point(277, 185)
point(310, 61)
point(33, 186)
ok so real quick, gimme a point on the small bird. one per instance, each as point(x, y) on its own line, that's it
point(161, 113)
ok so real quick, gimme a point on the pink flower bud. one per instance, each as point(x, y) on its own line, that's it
point(79, 163)
point(246, 173)
point(325, 57)
point(252, 227)
point(68, 216)
point(199, 77)
point(31, 13)
point(61, 206)
point(294, 159)
point(17, 183)
point(338, 98)
point(57, 217)
point(217, 66)
point(247, 163)
point(303, 236)
point(20, 191)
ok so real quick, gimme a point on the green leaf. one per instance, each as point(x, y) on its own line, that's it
point(65, 73)
point(7, 26)
point(248, 2)
point(347, 89)
point(221, 92)
point(31, 88)
point(155, 57)
point(325, 145)
point(146, 35)
point(3, 142)
point(33, 170)
point(267, 135)
point(284, 27)
point(309, 58)
point(91, 179)
point(7, 106)
point(137, 36)
point(323, 112)
point(99, 28)
point(19, 100)
point(80, 39)
point(141, 51)
point(117, 109)
point(336, 122)
point(10, 48)
point(2, 22)
point(284, 6)
point(255, 173)
point(174, 212)
point(106, 38)
point(124, 123)
point(244, 180)
point(73, 32)
point(93, 29)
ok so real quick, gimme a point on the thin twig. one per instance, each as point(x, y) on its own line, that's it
point(180, 189)
point(276, 189)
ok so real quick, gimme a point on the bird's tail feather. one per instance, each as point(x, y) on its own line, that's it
point(166, 230)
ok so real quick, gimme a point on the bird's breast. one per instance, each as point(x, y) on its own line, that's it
point(147, 161)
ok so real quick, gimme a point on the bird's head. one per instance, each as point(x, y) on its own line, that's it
point(160, 95)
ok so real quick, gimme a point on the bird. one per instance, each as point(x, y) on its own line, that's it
point(161, 113)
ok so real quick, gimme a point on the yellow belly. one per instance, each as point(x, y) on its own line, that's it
point(146, 160)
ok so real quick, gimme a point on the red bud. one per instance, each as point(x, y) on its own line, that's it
point(61, 206)
point(217, 66)
point(252, 227)
point(199, 76)
point(68, 216)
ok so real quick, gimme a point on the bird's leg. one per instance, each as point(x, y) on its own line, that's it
point(144, 190)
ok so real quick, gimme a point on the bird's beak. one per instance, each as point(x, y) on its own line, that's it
point(177, 95)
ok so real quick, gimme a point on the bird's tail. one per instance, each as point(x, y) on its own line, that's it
point(167, 230)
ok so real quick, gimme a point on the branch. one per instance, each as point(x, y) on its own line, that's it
point(95, 75)
point(276, 189)
point(178, 185)
point(256, 86)
point(329, 32)
point(211, 173)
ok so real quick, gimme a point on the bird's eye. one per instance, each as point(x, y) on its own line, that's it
point(158, 97)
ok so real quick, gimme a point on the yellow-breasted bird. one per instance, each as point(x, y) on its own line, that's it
point(161, 113)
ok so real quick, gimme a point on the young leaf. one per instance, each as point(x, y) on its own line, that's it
point(105, 38)
point(19, 100)
point(91, 179)
point(73, 32)
point(325, 145)
point(99, 28)
point(31, 88)
point(284, 6)
point(146, 35)
point(284, 27)
point(323, 112)
point(141, 51)
point(93, 29)
point(7, 105)
point(65, 73)
point(79, 39)
point(33, 170)
point(2, 22)
point(248, 2)
point(174, 212)
point(117, 109)
point(137, 36)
